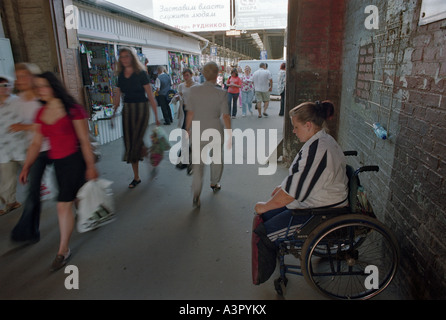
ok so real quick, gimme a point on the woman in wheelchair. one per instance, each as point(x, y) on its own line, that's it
point(317, 179)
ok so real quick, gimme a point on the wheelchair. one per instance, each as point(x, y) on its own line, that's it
point(344, 253)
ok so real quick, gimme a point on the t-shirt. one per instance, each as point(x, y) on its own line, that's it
point(27, 111)
point(318, 176)
point(247, 83)
point(62, 135)
point(261, 79)
point(133, 88)
point(234, 80)
point(12, 144)
point(208, 103)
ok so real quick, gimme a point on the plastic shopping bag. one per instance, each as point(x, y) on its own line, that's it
point(48, 186)
point(96, 205)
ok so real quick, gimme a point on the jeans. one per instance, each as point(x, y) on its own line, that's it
point(247, 101)
point(282, 103)
point(28, 226)
point(232, 100)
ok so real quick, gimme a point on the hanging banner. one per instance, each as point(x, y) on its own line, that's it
point(194, 15)
point(261, 14)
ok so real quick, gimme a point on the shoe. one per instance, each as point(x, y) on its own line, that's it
point(60, 261)
point(260, 117)
point(134, 183)
point(234, 117)
point(251, 112)
point(181, 166)
point(10, 207)
point(196, 202)
point(216, 188)
point(243, 115)
point(265, 114)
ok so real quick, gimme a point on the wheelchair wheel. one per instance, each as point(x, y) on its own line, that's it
point(360, 257)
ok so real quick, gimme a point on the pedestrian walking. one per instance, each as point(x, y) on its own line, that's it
point(184, 92)
point(263, 85)
point(247, 91)
point(281, 86)
point(135, 88)
point(12, 148)
point(27, 106)
point(183, 98)
point(64, 123)
point(163, 85)
point(208, 105)
point(234, 84)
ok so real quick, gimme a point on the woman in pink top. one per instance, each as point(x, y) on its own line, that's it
point(234, 84)
point(64, 123)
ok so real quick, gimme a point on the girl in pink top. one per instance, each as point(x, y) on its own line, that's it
point(64, 123)
point(234, 84)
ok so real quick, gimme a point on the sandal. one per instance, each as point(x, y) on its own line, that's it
point(10, 207)
point(216, 188)
point(134, 183)
point(60, 261)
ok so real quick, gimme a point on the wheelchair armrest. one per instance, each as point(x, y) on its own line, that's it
point(351, 153)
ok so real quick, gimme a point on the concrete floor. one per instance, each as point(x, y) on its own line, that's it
point(159, 247)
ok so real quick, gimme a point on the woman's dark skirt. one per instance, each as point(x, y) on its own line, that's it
point(135, 120)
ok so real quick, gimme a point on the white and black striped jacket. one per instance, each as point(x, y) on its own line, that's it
point(318, 175)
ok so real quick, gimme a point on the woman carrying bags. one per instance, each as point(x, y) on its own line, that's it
point(64, 123)
point(134, 86)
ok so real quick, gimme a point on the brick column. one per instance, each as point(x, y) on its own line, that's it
point(315, 42)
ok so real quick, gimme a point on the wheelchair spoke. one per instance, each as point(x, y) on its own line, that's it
point(337, 257)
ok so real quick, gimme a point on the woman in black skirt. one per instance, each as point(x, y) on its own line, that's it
point(134, 86)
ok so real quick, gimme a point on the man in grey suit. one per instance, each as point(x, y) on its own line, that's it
point(208, 106)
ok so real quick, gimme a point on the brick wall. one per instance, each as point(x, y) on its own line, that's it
point(399, 80)
point(32, 26)
point(419, 173)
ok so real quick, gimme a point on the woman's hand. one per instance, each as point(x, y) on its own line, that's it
point(91, 174)
point(23, 178)
point(260, 208)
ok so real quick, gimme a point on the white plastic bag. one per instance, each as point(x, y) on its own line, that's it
point(48, 186)
point(96, 205)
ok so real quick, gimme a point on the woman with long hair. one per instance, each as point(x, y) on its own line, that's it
point(64, 123)
point(135, 88)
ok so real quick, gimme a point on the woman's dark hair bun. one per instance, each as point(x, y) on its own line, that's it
point(325, 109)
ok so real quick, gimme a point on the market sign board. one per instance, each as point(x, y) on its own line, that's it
point(261, 14)
point(194, 15)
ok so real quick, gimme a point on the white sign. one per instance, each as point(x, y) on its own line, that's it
point(261, 14)
point(432, 10)
point(194, 15)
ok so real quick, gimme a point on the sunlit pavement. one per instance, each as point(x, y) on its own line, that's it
point(159, 247)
